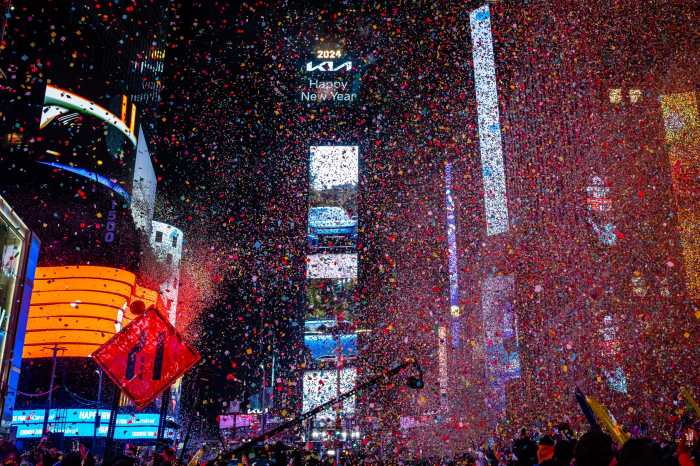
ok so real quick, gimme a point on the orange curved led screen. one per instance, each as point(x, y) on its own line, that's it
point(78, 308)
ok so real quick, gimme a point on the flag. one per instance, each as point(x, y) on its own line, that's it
point(608, 421)
point(581, 398)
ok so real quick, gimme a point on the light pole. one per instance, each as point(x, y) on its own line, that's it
point(47, 411)
point(97, 408)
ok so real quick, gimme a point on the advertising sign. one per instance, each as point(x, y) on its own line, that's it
point(146, 357)
point(326, 346)
point(329, 76)
point(500, 338)
point(490, 146)
point(332, 217)
point(227, 421)
point(682, 127)
point(331, 272)
point(80, 422)
point(321, 386)
point(332, 233)
point(326, 297)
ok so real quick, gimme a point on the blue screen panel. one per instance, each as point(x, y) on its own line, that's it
point(324, 346)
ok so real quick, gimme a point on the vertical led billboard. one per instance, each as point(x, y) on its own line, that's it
point(682, 126)
point(452, 258)
point(500, 338)
point(331, 275)
point(332, 223)
point(495, 202)
point(332, 232)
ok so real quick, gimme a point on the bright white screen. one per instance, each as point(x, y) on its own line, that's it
point(495, 202)
point(320, 387)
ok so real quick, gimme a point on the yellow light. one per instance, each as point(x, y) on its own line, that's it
point(615, 95)
point(124, 108)
point(132, 125)
point(682, 127)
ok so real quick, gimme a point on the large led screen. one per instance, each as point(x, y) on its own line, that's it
point(330, 298)
point(495, 202)
point(682, 126)
point(80, 422)
point(327, 346)
point(322, 386)
point(331, 266)
point(500, 338)
point(332, 217)
point(329, 76)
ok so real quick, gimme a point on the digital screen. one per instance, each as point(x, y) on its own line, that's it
point(62, 106)
point(329, 76)
point(331, 273)
point(226, 421)
point(321, 386)
point(332, 215)
point(332, 231)
point(331, 266)
point(80, 422)
point(497, 296)
point(495, 203)
point(682, 127)
point(326, 346)
point(328, 298)
point(103, 180)
point(455, 312)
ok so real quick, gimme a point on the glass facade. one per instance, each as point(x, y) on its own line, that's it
point(20, 250)
point(12, 249)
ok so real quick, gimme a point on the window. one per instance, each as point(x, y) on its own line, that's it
point(174, 241)
point(159, 236)
point(635, 95)
point(615, 95)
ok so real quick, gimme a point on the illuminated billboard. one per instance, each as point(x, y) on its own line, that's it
point(80, 422)
point(492, 170)
point(96, 177)
point(500, 336)
point(329, 76)
point(331, 275)
point(328, 297)
point(682, 127)
point(599, 211)
point(322, 386)
point(328, 346)
point(60, 104)
point(91, 151)
point(452, 268)
point(331, 266)
point(78, 308)
point(332, 216)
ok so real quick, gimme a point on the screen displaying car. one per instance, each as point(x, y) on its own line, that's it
point(331, 228)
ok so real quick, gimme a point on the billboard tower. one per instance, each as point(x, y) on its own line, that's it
point(331, 281)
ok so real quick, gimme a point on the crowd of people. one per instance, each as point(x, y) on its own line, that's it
point(560, 447)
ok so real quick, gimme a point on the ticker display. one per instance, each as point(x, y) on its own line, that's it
point(80, 422)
